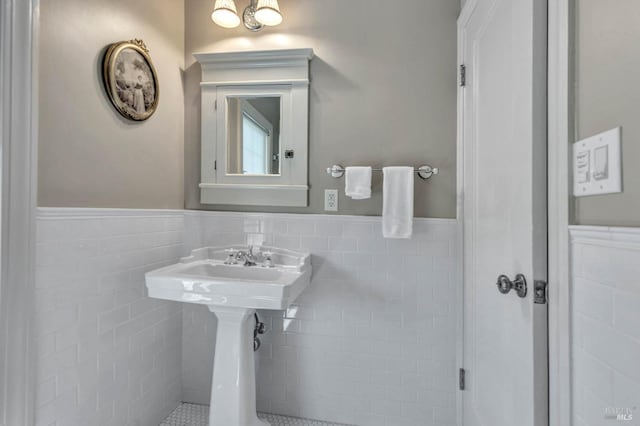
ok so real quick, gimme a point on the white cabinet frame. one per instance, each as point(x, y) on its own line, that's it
point(271, 73)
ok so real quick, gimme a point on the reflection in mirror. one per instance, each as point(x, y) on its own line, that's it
point(253, 128)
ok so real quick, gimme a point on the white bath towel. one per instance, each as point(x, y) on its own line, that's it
point(397, 208)
point(358, 182)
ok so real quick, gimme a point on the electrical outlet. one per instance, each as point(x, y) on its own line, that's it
point(331, 200)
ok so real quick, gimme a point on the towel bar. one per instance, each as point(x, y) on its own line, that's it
point(424, 172)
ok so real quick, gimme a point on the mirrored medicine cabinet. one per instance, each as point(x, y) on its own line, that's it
point(255, 127)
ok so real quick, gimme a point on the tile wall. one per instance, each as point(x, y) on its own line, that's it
point(106, 353)
point(606, 324)
point(372, 341)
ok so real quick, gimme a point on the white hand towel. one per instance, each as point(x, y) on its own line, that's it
point(358, 182)
point(397, 207)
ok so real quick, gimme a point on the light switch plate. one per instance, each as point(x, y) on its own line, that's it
point(597, 164)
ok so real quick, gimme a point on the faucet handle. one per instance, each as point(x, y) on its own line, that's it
point(268, 261)
point(231, 256)
point(254, 250)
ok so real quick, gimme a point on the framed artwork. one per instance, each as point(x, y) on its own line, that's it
point(130, 79)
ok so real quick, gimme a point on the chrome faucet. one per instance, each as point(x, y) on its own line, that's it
point(249, 258)
point(246, 257)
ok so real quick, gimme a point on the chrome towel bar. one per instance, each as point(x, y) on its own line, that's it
point(424, 172)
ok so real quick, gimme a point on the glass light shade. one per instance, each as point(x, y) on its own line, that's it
point(225, 14)
point(268, 12)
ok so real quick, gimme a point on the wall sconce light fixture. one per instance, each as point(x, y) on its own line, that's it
point(256, 16)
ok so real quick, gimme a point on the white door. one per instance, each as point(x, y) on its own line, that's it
point(502, 44)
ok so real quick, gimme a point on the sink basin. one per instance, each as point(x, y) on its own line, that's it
point(233, 272)
point(204, 278)
point(233, 292)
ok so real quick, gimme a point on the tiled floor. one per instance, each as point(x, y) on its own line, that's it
point(198, 415)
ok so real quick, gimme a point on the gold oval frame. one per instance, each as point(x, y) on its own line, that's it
point(108, 75)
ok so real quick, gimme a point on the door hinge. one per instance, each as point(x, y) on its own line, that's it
point(540, 292)
point(461, 379)
point(215, 105)
point(463, 75)
point(215, 164)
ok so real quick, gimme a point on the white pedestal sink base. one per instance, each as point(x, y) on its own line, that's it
point(233, 292)
point(233, 393)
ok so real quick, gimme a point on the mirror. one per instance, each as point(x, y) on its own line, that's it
point(253, 135)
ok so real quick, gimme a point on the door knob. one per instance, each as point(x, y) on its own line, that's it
point(505, 285)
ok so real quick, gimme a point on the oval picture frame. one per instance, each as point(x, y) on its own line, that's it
point(131, 80)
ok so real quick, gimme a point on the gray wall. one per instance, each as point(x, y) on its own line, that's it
point(607, 95)
point(383, 92)
point(89, 155)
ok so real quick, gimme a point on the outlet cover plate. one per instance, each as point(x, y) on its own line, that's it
point(331, 200)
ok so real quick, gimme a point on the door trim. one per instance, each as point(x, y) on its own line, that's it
point(463, 18)
point(560, 129)
point(18, 138)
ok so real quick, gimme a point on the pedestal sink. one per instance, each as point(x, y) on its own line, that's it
point(233, 282)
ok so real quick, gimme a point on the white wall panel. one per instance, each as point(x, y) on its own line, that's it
point(606, 323)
